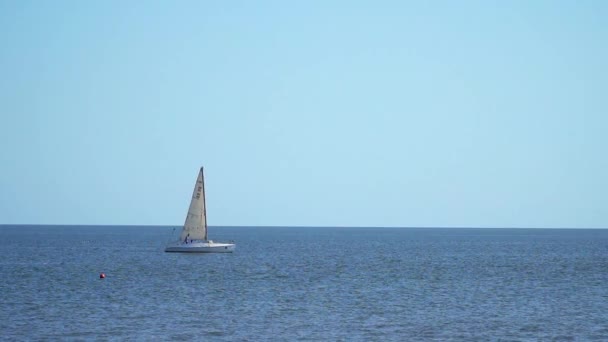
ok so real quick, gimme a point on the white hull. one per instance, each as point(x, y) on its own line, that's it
point(200, 247)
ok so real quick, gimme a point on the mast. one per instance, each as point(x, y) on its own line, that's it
point(204, 205)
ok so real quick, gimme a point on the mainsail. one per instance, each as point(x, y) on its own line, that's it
point(195, 226)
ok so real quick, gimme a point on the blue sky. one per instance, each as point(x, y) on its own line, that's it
point(349, 113)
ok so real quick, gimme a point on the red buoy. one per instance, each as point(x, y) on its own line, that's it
point(102, 275)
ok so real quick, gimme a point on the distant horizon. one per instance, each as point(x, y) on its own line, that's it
point(292, 226)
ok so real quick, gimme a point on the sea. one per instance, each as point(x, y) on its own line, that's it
point(304, 284)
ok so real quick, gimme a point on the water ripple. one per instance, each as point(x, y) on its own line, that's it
point(305, 284)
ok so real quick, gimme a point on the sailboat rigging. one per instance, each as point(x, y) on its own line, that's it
point(194, 235)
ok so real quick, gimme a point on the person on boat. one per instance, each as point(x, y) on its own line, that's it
point(186, 239)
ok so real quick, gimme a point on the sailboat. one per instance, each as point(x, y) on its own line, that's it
point(193, 238)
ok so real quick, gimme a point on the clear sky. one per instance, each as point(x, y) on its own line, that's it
point(349, 113)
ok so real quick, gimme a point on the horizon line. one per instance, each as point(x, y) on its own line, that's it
point(290, 226)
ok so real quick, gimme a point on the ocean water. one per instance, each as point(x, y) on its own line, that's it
point(336, 284)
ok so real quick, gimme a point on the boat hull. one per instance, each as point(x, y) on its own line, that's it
point(200, 247)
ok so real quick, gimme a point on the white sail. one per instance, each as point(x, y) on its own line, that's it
point(195, 227)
